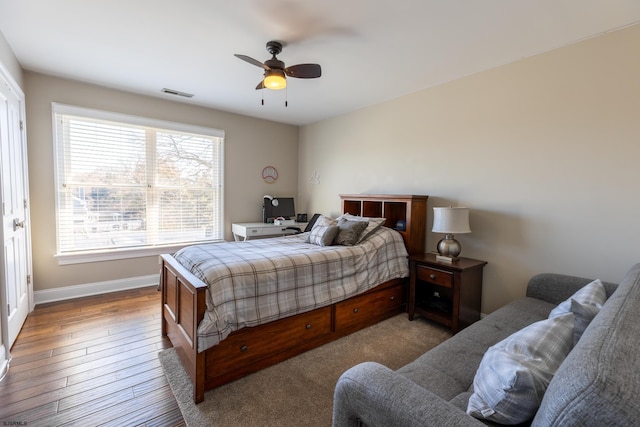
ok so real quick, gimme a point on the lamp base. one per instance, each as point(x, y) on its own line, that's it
point(449, 247)
point(442, 258)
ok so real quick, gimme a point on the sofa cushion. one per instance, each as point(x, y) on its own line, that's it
point(514, 374)
point(599, 382)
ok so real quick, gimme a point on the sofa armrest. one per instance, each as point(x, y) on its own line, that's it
point(378, 397)
point(555, 288)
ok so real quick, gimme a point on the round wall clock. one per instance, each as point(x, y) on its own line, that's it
point(269, 174)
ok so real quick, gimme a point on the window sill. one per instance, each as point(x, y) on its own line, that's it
point(117, 254)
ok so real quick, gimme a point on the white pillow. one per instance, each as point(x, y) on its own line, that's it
point(514, 373)
point(374, 224)
point(584, 304)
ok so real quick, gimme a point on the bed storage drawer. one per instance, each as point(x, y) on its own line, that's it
point(277, 336)
point(369, 308)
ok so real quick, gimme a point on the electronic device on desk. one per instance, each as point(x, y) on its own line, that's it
point(282, 221)
point(278, 207)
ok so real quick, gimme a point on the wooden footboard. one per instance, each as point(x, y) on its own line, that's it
point(183, 307)
point(252, 349)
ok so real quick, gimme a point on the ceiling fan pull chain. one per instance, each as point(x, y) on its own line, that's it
point(262, 93)
point(286, 96)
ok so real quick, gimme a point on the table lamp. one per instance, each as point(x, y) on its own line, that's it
point(450, 221)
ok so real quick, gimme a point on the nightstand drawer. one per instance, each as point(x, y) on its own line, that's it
point(437, 277)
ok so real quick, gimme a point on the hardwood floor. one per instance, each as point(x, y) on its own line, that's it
point(90, 362)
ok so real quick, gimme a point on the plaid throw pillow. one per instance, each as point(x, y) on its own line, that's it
point(323, 231)
point(514, 374)
point(584, 304)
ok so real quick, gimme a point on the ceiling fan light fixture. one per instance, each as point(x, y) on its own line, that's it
point(275, 79)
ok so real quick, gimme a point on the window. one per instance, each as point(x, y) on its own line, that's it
point(129, 185)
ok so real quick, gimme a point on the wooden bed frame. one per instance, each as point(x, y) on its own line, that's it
point(252, 349)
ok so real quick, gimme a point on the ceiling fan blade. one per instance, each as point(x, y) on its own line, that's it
point(304, 71)
point(260, 85)
point(250, 60)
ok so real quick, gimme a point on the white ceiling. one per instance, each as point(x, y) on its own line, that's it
point(370, 50)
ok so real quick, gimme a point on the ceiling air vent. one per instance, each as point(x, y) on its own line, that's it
point(177, 92)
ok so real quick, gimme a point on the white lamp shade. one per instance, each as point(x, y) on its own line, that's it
point(451, 220)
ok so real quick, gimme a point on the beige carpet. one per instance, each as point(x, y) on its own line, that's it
point(299, 391)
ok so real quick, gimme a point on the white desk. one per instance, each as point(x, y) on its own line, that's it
point(254, 230)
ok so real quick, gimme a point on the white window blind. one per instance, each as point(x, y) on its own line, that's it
point(128, 182)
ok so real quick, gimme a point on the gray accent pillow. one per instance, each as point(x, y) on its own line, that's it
point(374, 224)
point(349, 231)
point(515, 373)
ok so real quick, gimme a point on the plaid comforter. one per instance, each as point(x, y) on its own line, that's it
point(258, 281)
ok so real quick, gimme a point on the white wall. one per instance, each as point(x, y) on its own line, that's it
point(9, 62)
point(545, 152)
point(250, 144)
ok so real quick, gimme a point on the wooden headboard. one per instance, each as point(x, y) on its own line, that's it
point(394, 208)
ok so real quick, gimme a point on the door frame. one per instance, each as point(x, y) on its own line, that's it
point(5, 356)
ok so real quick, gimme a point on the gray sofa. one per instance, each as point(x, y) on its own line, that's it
point(598, 384)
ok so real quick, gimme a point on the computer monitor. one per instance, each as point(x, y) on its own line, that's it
point(278, 207)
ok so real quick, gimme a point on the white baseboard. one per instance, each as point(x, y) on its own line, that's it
point(85, 290)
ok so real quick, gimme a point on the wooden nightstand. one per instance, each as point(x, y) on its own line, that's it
point(447, 293)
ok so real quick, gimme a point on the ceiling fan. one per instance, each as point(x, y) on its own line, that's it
point(275, 72)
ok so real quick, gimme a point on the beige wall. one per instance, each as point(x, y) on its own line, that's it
point(545, 152)
point(250, 144)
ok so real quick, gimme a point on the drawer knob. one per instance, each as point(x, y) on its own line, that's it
point(432, 276)
point(244, 348)
point(355, 310)
point(392, 298)
point(308, 326)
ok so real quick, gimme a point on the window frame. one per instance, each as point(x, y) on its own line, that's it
point(96, 255)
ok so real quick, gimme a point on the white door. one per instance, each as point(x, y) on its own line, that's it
point(15, 266)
